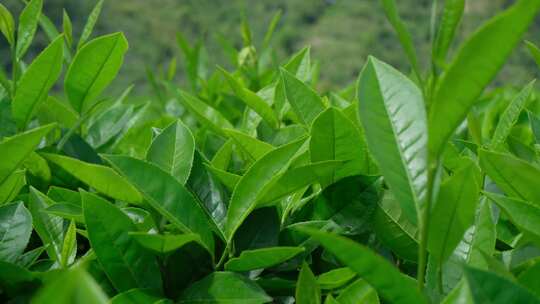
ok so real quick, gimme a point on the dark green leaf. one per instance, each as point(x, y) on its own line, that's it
point(124, 261)
point(15, 230)
point(358, 292)
point(165, 194)
point(307, 289)
point(164, 243)
point(50, 228)
point(262, 258)
point(224, 288)
point(490, 288)
point(14, 150)
point(379, 273)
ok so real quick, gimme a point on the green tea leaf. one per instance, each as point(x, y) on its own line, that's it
point(477, 241)
point(379, 273)
point(137, 296)
point(453, 211)
point(7, 25)
point(262, 258)
point(93, 68)
point(254, 184)
point(510, 116)
point(50, 228)
point(535, 52)
point(124, 261)
point(224, 288)
point(101, 178)
point(391, 110)
point(305, 102)
point(335, 137)
point(164, 243)
point(524, 215)
point(14, 150)
point(168, 196)
point(391, 11)
point(358, 292)
point(335, 278)
point(207, 115)
point(109, 124)
point(74, 286)
point(172, 150)
point(252, 100)
point(302, 176)
point(54, 110)
point(15, 230)
point(36, 82)
point(451, 16)
point(69, 246)
point(253, 147)
point(394, 229)
point(67, 28)
point(487, 287)
point(12, 185)
point(28, 21)
point(307, 289)
point(513, 175)
point(90, 23)
point(535, 126)
point(479, 59)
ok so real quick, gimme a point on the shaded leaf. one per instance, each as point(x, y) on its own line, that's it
point(15, 230)
point(224, 288)
point(165, 194)
point(307, 289)
point(14, 150)
point(124, 261)
point(379, 273)
point(262, 258)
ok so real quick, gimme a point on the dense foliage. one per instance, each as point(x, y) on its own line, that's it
point(248, 186)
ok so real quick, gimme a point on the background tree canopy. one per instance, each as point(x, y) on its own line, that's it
point(341, 32)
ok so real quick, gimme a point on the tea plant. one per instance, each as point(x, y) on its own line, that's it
point(251, 187)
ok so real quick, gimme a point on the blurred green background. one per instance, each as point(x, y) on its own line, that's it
point(342, 33)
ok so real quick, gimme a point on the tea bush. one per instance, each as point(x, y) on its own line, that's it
point(248, 186)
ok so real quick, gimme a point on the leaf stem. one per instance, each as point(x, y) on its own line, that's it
point(424, 225)
point(223, 256)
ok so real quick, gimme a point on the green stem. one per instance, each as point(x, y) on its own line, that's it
point(14, 70)
point(223, 256)
point(440, 278)
point(424, 225)
point(78, 125)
